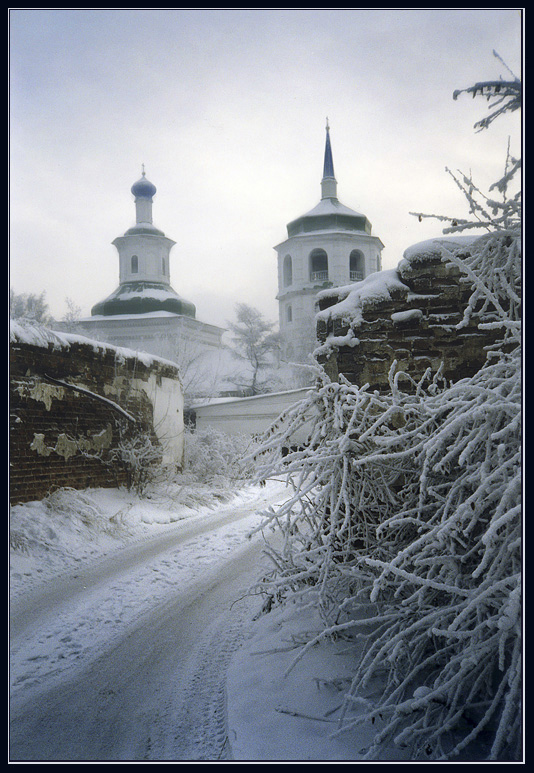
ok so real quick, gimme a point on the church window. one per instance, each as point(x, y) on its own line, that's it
point(163, 265)
point(288, 271)
point(289, 314)
point(135, 264)
point(318, 266)
point(357, 266)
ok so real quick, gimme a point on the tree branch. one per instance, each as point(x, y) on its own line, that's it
point(88, 393)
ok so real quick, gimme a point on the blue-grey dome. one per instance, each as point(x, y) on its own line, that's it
point(143, 188)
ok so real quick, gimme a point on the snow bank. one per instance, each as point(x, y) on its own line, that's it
point(276, 714)
point(49, 536)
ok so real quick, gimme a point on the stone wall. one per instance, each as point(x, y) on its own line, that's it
point(72, 400)
point(410, 314)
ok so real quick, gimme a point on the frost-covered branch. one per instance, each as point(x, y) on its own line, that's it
point(87, 392)
point(505, 95)
point(403, 525)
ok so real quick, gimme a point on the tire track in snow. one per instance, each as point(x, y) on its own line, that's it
point(156, 689)
point(50, 595)
point(157, 694)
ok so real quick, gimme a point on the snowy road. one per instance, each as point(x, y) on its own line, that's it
point(124, 657)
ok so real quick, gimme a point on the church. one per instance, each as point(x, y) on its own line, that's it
point(329, 246)
point(145, 313)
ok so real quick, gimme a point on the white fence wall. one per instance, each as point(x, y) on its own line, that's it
point(249, 415)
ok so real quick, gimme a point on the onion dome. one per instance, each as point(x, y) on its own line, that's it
point(143, 188)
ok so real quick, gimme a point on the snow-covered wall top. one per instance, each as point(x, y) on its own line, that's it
point(410, 314)
point(350, 301)
point(34, 334)
point(432, 248)
point(74, 402)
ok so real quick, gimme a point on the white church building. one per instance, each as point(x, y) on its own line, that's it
point(145, 313)
point(329, 246)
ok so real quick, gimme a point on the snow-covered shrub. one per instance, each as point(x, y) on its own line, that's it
point(412, 501)
point(404, 527)
point(211, 455)
point(140, 458)
point(82, 511)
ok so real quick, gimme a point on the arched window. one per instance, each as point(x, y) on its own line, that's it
point(318, 266)
point(289, 313)
point(357, 266)
point(163, 266)
point(288, 271)
point(135, 264)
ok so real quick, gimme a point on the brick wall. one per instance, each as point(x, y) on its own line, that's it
point(413, 323)
point(61, 436)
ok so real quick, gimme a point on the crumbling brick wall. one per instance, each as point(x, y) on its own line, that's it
point(415, 323)
point(70, 403)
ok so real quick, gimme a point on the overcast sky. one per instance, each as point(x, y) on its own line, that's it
point(227, 109)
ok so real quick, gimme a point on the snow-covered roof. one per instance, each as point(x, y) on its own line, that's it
point(122, 317)
point(142, 228)
point(331, 207)
point(160, 293)
point(143, 297)
point(329, 214)
point(266, 395)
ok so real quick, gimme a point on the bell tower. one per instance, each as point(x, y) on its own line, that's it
point(329, 246)
point(144, 276)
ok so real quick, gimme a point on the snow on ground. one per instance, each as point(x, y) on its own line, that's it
point(270, 715)
point(70, 526)
point(283, 708)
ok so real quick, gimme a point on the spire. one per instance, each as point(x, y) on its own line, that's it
point(328, 168)
point(328, 183)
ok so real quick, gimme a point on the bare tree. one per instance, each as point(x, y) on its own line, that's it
point(29, 306)
point(72, 315)
point(256, 344)
point(200, 368)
